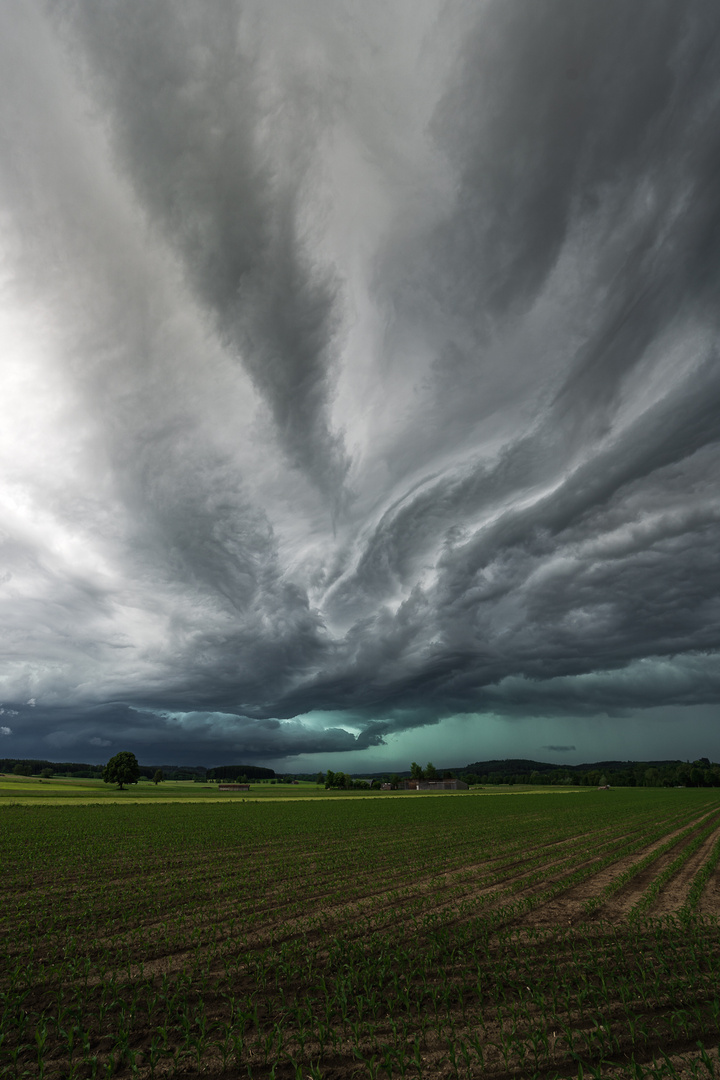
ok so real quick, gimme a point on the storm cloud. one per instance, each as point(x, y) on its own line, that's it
point(360, 370)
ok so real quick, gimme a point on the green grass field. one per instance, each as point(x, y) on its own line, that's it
point(375, 936)
point(27, 790)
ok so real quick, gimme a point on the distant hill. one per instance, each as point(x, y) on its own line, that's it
point(528, 765)
point(520, 765)
point(523, 765)
point(650, 773)
point(231, 772)
point(32, 766)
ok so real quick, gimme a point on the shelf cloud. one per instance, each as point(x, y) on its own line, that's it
point(360, 371)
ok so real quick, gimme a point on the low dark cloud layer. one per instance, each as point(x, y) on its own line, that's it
point(361, 371)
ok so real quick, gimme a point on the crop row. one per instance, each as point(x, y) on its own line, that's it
point(358, 939)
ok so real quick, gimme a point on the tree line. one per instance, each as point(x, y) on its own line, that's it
point(699, 773)
point(82, 770)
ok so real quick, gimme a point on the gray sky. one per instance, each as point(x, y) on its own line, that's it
point(360, 380)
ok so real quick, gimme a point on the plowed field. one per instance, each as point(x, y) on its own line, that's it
point(463, 936)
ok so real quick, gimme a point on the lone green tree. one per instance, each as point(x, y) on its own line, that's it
point(158, 777)
point(122, 769)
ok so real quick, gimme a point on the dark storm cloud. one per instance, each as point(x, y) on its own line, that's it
point(94, 734)
point(589, 129)
point(373, 369)
point(182, 97)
